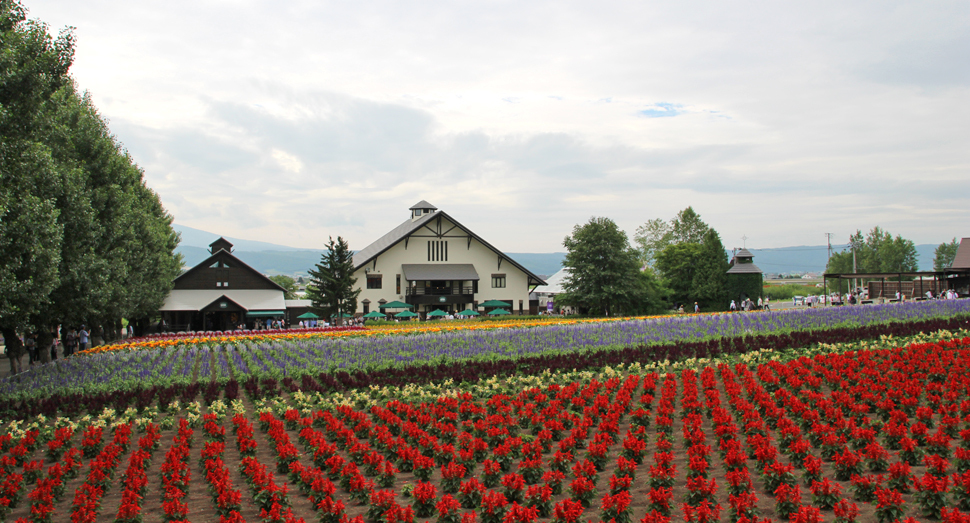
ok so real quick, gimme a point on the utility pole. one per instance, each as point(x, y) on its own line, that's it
point(855, 283)
point(828, 237)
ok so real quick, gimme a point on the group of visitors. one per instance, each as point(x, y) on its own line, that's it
point(949, 294)
point(70, 339)
point(747, 304)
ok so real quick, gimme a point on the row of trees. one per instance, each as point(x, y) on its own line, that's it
point(82, 238)
point(676, 262)
point(876, 252)
point(682, 261)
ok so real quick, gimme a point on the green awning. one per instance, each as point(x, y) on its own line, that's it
point(263, 314)
point(437, 312)
point(396, 305)
point(494, 303)
point(308, 316)
point(405, 314)
point(469, 312)
point(498, 312)
point(374, 314)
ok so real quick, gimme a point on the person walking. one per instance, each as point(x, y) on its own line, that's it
point(83, 336)
point(697, 308)
point(733, 306)
point(30, 342)
point(70, 342)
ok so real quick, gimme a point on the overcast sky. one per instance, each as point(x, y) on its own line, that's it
point(292, 121)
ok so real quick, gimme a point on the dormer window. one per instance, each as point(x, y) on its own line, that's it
point(417, 212)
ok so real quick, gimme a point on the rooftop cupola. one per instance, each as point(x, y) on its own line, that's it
point(421, 209)
point(221, 244)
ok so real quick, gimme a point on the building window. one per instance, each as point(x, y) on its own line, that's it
point(366, 307)
point(498, 281)
point(374, 282)
point(397, 285)
point(225, 284)
point(437, 250)
point(218, 284)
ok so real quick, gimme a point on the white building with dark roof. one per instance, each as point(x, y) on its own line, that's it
point(431, 261)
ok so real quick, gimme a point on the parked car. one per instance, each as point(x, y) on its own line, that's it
point(799, 300)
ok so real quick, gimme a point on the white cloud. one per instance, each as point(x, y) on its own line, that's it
point(290, 122)
point(287, 161)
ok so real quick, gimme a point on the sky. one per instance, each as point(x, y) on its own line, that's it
point(290, 122)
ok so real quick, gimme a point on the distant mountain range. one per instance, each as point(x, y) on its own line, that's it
point(272, 259)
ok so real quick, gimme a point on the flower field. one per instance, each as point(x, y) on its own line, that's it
point(351, 358)
point(864, 431)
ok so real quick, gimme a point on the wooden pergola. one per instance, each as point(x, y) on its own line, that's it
point(939, 279)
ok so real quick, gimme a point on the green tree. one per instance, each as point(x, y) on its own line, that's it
point(288, 284)
point(710, 280)
point(656, 235)
point(945, 254)
point(696, 272)
point(678, 265)
point(331, 289)
point(604, 276)
point(83, 239)
point(876, 252)
point(32, 67)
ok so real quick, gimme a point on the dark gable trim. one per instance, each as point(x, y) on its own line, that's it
point(222, 253)
point(533, 279)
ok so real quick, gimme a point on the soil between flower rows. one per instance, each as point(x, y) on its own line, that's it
point(201, 507)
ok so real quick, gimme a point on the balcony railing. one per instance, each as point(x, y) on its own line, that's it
point(439, 291)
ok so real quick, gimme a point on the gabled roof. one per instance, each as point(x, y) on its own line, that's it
point(962, 259)
point(387, 241)
point(741, 263)
point(198, 299)
point(744, 268)
point(554, 283)
point(397, 234)
point(239, 263)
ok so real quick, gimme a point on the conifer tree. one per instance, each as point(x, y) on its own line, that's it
point(331, 289)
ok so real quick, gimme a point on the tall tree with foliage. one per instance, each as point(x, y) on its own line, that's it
point(82, 238)
point(604, 272)
point(656, 235)
point(876, 252)
point(710, 280)
point(677, 265)
point(331, 289)
point(944, 255)
point(696, 272)
point(33, 66)
point(288, 284)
